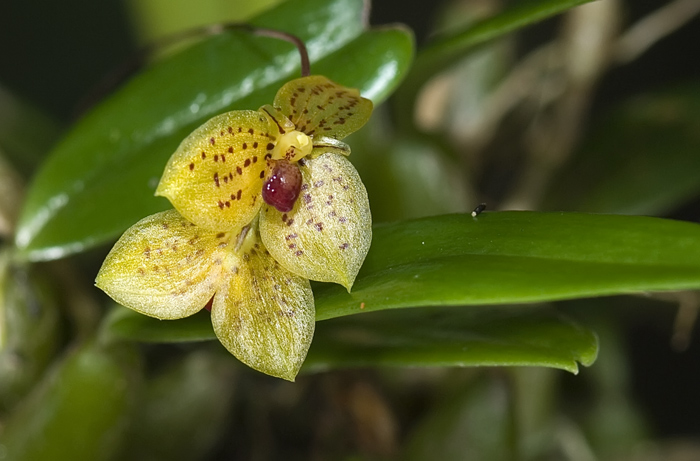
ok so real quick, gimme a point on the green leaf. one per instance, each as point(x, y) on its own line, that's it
point(100, 179)
point(450, 336)
point(496, 258)
point(123, 323)
point(517, 257)
point(446, 50)
point(444, 336)
point(641, 159)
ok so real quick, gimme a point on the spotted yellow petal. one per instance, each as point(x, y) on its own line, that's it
point(327, 234)
point(215, 177)
point(320, 107)
point(263, 314)
point(164, 266)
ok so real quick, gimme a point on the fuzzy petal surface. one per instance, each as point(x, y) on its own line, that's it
point(164, 266)
point(321, 107)
point(328, 233)
point(215, 177)
point(263, 314)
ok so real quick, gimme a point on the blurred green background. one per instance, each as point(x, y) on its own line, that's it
point(618, 121)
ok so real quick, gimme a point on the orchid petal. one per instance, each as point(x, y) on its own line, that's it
point(263, 314)
point(215, 177)
point(327, 234)
point(319, 106)
point(164, 266)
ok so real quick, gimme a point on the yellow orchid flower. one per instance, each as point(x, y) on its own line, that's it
point(264, 202)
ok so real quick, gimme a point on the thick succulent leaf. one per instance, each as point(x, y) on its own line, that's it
point(215, 177)
point(263, 314)
point(328, 233)
point(164, 266)
point(115, 155)
point(450, 336)
point(510, 257)
point(516, 257)
point(122, 323)
point(434, 336)
point(317, 105)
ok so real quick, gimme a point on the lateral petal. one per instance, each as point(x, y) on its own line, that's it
point(319, 106)
point(215, 177)
point(164, 266)
point(327, 234)
point(263, 314)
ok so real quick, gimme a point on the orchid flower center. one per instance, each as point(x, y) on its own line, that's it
point(292, 146)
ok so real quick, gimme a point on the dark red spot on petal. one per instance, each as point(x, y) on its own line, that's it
point(230, 150)
point(191, 166)
point(270, 146)
point(212, 141)
point(204, 155)
point(247, 162)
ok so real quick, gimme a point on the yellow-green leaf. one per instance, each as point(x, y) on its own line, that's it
point(263, 314)
point(164, 266)
point(328, 233)
point(319, 106)
point(215, 177)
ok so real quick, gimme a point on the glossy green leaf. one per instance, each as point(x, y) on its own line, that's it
point(100, 179)
point(641, 159)
point(496, 258)
point(451, 336)
point(444, 336)
point(517, 257)
point(80, 411)
point(123, 323)
point(446, 50)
